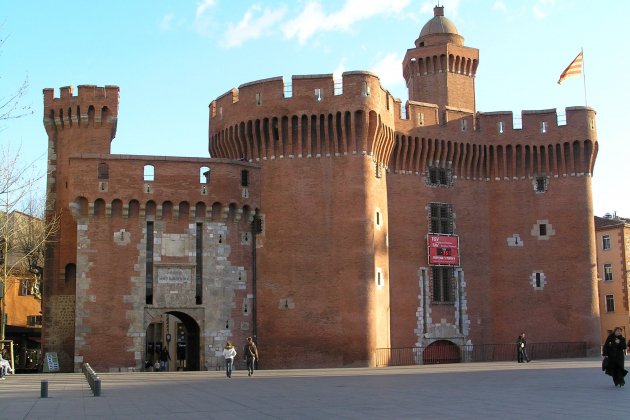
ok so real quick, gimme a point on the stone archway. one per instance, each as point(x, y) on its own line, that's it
point(190, 320)
point(192, 342)
point(441, 351)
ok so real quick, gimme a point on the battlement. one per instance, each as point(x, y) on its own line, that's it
point(311, 90)
point(497, 126)
point(92, 106)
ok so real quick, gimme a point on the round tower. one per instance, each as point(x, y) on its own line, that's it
point(440, 69)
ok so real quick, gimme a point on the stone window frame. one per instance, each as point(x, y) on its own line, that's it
point(608, 273)
point(442, 285)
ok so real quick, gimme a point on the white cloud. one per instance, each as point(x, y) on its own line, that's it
point(254, 23)
point(388, 69)
point(313, 19)
point(165, 24)
point(542, 8)
point(499, 5)
point(203, 19)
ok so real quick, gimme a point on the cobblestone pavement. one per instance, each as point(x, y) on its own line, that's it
point(550, 389)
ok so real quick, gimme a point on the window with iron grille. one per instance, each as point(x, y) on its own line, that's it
point(440, 176)
point(441, 218)
point(443, 285)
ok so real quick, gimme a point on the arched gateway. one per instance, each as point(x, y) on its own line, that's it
point(178, 331)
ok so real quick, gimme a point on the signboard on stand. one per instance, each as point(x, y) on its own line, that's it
point(51, 362)
point(443, 249)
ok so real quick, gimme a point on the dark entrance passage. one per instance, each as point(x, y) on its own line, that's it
point(180, 337)
point(441, 351)
point(186, 356)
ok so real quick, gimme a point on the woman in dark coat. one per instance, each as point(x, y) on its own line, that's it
point(614, 350)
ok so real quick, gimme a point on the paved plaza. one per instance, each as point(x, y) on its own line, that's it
point(570, 388)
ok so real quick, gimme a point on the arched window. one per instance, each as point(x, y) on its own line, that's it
point(204, 175)
point(103, 171)
point(70, 273)
point(149, 173)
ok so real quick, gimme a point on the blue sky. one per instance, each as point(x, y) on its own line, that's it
point(171, 58)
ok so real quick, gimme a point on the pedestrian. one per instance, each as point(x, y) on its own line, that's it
point(229, 352)
point(614, 350)
point(165, 357)
point(521, 350)
point(251, 355)
point(5, 366)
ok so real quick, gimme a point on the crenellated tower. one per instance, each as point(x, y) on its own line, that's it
point(76, 125)
point(440, 69)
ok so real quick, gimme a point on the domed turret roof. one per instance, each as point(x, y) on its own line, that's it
point(439, 24)
point(439, 27)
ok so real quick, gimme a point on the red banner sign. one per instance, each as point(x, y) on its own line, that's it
point(443, 250)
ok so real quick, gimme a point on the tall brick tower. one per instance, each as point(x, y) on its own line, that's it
point(76, 125)
point(441, 70)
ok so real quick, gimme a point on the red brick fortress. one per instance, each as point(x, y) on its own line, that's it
point(309, 227)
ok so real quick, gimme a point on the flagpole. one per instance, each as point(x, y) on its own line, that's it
point(584, 77)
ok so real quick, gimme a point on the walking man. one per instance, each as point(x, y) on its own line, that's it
point(521, 350)
point(251, 355)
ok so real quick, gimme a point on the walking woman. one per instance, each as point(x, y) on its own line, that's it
point(229, 352)
point(614, 350)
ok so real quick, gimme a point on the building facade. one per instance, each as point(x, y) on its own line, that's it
point(612, 236)
point(328, 223)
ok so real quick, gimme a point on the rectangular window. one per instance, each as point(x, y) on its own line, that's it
point(258, 99)
point(443, 285)
point(318, 94)
point(608, 274)
point(441, 218)
point(378, 168)
point(500, 127)
point(542, 229)
point(244, 178)
point(606, 242)
point(439, 176)
point(538, 282)
point(464, 125)
point(34, 320)
point(541, 184)
point(610, 303)
point(543, 127)
point(25, 288)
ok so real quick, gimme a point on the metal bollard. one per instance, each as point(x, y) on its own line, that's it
point(97, 387)
point(44, 390)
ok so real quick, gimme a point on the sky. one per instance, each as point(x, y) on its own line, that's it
point(171, 58)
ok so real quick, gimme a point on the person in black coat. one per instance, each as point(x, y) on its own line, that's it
point(614, 349)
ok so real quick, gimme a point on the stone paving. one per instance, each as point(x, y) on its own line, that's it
point(550, 389)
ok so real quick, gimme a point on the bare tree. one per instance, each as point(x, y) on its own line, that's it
point(10, 103)
point(24, 231)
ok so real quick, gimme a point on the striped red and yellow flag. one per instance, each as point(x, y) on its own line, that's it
point(574, 69)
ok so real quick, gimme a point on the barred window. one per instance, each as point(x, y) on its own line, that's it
point(440, 176)
point(441, 218)
point(443, 284)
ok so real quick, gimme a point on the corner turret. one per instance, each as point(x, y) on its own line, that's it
point(93, 108)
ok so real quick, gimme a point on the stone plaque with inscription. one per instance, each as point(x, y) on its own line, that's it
point(174, 275)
